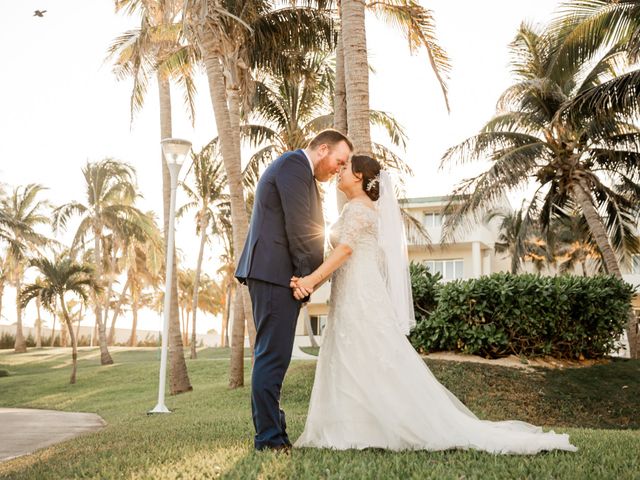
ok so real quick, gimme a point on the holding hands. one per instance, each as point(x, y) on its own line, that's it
point(302, 287)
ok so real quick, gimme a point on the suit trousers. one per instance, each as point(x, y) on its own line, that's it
point(275, 313)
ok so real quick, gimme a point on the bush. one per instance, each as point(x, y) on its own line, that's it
point(8, 340)
point(530, 315)
point(424, 286)
point(4, 373)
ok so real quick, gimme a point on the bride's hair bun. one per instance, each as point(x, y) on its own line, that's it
point(369, 169)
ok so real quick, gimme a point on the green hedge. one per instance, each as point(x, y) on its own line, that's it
point(530, 315)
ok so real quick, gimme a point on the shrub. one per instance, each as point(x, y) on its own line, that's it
point(530, 315)
point(8, 340)
point(4, 373)
point(424, 286)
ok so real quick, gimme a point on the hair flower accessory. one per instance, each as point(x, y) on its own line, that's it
point(372, 183)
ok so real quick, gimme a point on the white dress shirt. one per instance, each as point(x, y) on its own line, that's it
point(308, 158)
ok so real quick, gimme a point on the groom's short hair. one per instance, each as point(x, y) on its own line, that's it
point(329, 137)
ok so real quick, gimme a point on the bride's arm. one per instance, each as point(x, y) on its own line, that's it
point(338, 256)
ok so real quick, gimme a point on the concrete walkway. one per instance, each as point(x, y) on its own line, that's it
point(24, 430)
point(298, 354)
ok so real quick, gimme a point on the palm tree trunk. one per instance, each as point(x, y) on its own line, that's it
point(187, 313)
point(340, 92)
point(340, 105)
point(20, 345)
point(234, 117)
point(133, 340)
point(231, 157)
point(356, 72)
point(107, 300)
point(105, 356)
point(116, 312)
point(74, 341)
point(204, 221)
point(64, 329)
point(79, 321)
point(224, 334)
point(53, 326)
point(38, 324)
point(580, 191)
point(1, 294)
point(178, 374)
point(236, 372)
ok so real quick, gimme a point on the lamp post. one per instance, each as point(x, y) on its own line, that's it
point(175, 151)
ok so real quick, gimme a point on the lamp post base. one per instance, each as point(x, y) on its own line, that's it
point(159, 408)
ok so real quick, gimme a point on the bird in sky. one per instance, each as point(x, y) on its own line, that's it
point(39, 13)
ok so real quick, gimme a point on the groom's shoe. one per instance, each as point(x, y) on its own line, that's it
point(282, 449)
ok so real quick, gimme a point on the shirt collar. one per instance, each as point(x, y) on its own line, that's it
point(309, 159)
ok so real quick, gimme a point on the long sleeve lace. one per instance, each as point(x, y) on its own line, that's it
point(358, 222)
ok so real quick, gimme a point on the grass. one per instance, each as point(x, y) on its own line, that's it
point(209, 434)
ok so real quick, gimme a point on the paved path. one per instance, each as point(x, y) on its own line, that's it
point(298, 354)
point(24, 430)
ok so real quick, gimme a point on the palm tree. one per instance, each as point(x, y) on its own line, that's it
point(111, 191)
point(209, 184)
point(290, 107)
point(572, 243)
point(141, 261)
point(210, 299)
point(417, 25)
point(59, 278)
point(26, 212)
point(235, 37)
point(518, 238)
point(587, 31)
point(587, 161)
point(158, 47)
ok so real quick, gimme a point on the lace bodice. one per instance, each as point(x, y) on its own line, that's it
point(356, 227)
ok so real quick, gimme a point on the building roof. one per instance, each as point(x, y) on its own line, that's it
point(434, 199)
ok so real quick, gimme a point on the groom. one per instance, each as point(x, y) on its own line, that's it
point(285, 240)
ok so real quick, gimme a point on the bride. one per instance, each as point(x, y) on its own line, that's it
point(371, 388)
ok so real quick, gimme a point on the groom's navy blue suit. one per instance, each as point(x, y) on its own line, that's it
point(286, 238)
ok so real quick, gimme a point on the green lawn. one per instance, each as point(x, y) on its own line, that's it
point(209, 434)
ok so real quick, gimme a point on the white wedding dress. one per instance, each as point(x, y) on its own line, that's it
point(371, 387)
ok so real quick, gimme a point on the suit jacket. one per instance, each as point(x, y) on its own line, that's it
point(286, 235)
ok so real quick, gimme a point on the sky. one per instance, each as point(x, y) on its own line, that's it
point(61, 105)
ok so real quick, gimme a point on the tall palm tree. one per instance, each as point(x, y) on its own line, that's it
point(27, 212)
point(111, 191)
point(209, 184)
point(158, 47)
point(417, 25)
point(587, 161)
point(59, 278)
point(235, 37)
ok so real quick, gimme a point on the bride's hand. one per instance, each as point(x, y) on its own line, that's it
point(306, 283)
point(302, 287)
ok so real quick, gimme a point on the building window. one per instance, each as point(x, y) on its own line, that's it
point(317, 323)
point(450, 269)
point(432, 220)
point(635, 264)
